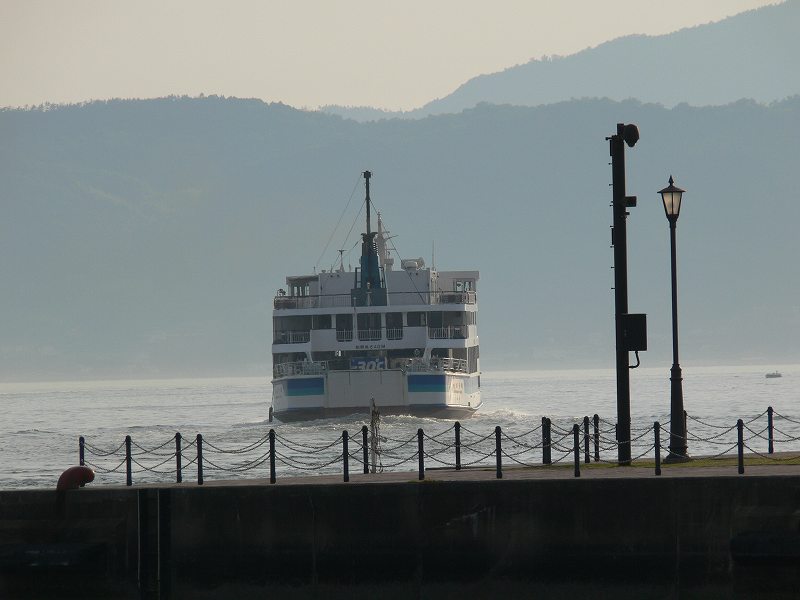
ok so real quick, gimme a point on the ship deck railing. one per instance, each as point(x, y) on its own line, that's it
point(418, 365)
point(291, 337)
point(408, 298)
point(394, 333)
point(300, 367)
point(451, 332)
point(413, 365)
point(344, 335)
point(369, 335)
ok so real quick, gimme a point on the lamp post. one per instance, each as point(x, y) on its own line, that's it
point(671, 196)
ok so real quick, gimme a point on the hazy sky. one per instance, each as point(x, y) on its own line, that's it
point(307, 53)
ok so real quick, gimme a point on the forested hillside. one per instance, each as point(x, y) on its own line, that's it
point(147, 238)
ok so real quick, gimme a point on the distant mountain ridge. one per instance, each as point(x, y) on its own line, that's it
point(147, 238)
point(751, 55)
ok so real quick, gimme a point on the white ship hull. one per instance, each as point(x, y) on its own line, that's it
point(395, 391)
point(406, 339)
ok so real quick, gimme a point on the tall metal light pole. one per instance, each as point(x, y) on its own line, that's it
point(626, 134)
point(672, 196)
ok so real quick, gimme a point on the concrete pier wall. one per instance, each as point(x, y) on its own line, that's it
point(719, 537)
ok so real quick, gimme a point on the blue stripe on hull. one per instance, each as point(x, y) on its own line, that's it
point(311, 386)
point(426, 383)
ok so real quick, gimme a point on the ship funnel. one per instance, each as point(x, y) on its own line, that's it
point(369, 287)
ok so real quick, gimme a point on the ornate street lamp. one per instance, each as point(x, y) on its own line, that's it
point(672, 196)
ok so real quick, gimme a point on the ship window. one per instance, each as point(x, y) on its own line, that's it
point(394, 326)
point(394, 320)
point(416, 319)
point(435, 319)
point(464, 285)
point(459, 353)
point(344, 322)
point(451, 318)
point(322, 322)
point(291, 323)
point(299, 289)
point(369, 321)
point(454, 318)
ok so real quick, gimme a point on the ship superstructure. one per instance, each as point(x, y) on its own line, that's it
point(406, 339)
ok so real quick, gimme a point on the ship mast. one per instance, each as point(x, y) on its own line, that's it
point(370, 274)
point(369, 287)
point(367, 175)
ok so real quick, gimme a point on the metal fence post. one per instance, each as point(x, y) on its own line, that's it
point(546, 442)
point(365, 447)
point(596, 437)
point(128, 473)
point(576, 434)
point(345, 458)
point(421, 453)
point(81, 443)
point(272, 456)
point(457, 428)
point(498, 450)
point(771, 448)
point(586, 457)
point(740, 444)
point(199, 459)
point(657, 432)
point(178, 451)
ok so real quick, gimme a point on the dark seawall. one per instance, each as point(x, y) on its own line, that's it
point(633, 537)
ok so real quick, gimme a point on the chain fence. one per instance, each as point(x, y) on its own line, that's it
point(590, 440)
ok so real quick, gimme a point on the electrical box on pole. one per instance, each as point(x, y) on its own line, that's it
point(634, 332)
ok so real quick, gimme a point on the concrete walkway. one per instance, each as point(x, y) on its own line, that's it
point(562, 471)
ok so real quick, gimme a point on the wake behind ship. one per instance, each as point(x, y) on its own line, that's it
point(406, 339)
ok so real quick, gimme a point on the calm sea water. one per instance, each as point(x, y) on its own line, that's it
point(42, 422)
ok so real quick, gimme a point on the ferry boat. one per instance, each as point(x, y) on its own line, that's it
point(405, 339)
